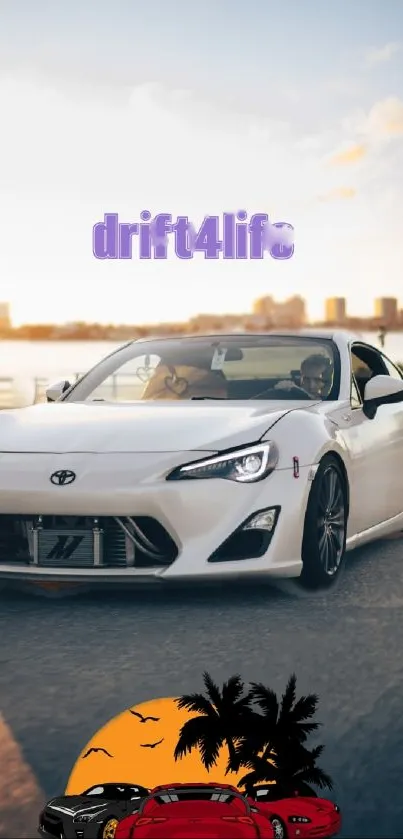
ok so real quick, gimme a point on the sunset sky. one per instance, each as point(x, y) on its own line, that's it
point(293, 109)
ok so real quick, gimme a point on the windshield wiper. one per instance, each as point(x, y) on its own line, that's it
point(222, 398)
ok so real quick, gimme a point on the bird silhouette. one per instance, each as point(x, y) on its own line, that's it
point(144, 719)
point(96, 750)
point(151, 745)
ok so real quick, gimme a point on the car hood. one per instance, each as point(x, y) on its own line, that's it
point(74, 804)
point(142, 427)
point(299, 806)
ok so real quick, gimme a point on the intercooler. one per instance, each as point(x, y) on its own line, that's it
point(83, 542)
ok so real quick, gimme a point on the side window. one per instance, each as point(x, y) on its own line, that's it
point(355, 394)
point(391, 368)
point(366, 362)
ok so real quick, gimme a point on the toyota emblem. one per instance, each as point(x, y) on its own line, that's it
point(63, 477)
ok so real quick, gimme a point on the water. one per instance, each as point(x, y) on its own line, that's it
point(26, 361)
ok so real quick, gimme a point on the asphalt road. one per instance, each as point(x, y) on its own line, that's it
point(69, 665)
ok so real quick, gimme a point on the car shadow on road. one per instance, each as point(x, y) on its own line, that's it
point(236, 590)
point(358, 566)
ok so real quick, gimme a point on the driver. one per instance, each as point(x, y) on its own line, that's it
point(315, 377)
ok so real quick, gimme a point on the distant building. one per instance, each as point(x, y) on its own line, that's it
point(289, 313)
point(292, 312)
point(5, 317)
point(264, 307)
point(335, 310)
point(386, 310)
point(213, 323)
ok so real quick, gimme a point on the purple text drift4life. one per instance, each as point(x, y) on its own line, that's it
point(230, 236)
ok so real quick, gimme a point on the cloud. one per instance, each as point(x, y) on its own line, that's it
point(381, 124)
point(153, 144)
point(352, 154)
point(383, 54)
point(385, 118)
point(372, 130)
point(341, 193)
point(343, 86)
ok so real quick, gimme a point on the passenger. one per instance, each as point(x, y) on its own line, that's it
point(185, 382)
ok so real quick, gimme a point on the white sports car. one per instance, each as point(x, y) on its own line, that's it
point(204, 457)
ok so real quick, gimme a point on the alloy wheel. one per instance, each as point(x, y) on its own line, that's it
point(109, 829)
point(278, 829)
point(331, 521)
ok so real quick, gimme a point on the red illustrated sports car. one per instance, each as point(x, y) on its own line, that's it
point(197, 811)
point(300, 817)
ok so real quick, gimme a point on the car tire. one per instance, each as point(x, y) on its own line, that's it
point(325, 526)
point(279, 828)
point(108, 828)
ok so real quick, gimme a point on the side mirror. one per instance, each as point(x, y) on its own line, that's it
point(381, 390)
point(54, 392)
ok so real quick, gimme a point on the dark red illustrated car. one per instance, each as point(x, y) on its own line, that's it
point(195, 811)
point(298, 817)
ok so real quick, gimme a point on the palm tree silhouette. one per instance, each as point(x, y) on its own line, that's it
point(224, 718)
point(298, 770)
point(293, 771)
point(262, 734)
point(262, 767)
point(287, 720)
point(275, 750)
point(278, 723)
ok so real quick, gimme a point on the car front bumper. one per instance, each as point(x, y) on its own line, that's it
point(326, 828)
point(71, 829)
point(198, 516)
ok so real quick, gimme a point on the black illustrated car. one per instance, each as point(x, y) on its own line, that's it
point(92, 815)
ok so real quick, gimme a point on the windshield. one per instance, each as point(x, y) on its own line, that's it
point(113, 792)
point(275, 793)
point(269, 367)
point(170, 798)
point(183, 803)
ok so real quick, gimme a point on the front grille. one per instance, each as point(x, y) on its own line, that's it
point(65, 548)
point(116, 551)
point(83, 542)
point(13, 540)
point(52, 825)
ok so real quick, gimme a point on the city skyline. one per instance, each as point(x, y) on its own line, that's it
point(156, 109)
point(291, 312)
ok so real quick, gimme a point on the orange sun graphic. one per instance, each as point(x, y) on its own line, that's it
point(130, 750)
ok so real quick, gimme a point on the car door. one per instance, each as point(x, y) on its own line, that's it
point(376, 444)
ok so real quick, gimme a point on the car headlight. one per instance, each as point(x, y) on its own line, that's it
point(299, 820)
point(87, 817)
point(246, 465)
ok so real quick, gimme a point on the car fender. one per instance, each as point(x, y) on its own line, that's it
point(308, 436)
